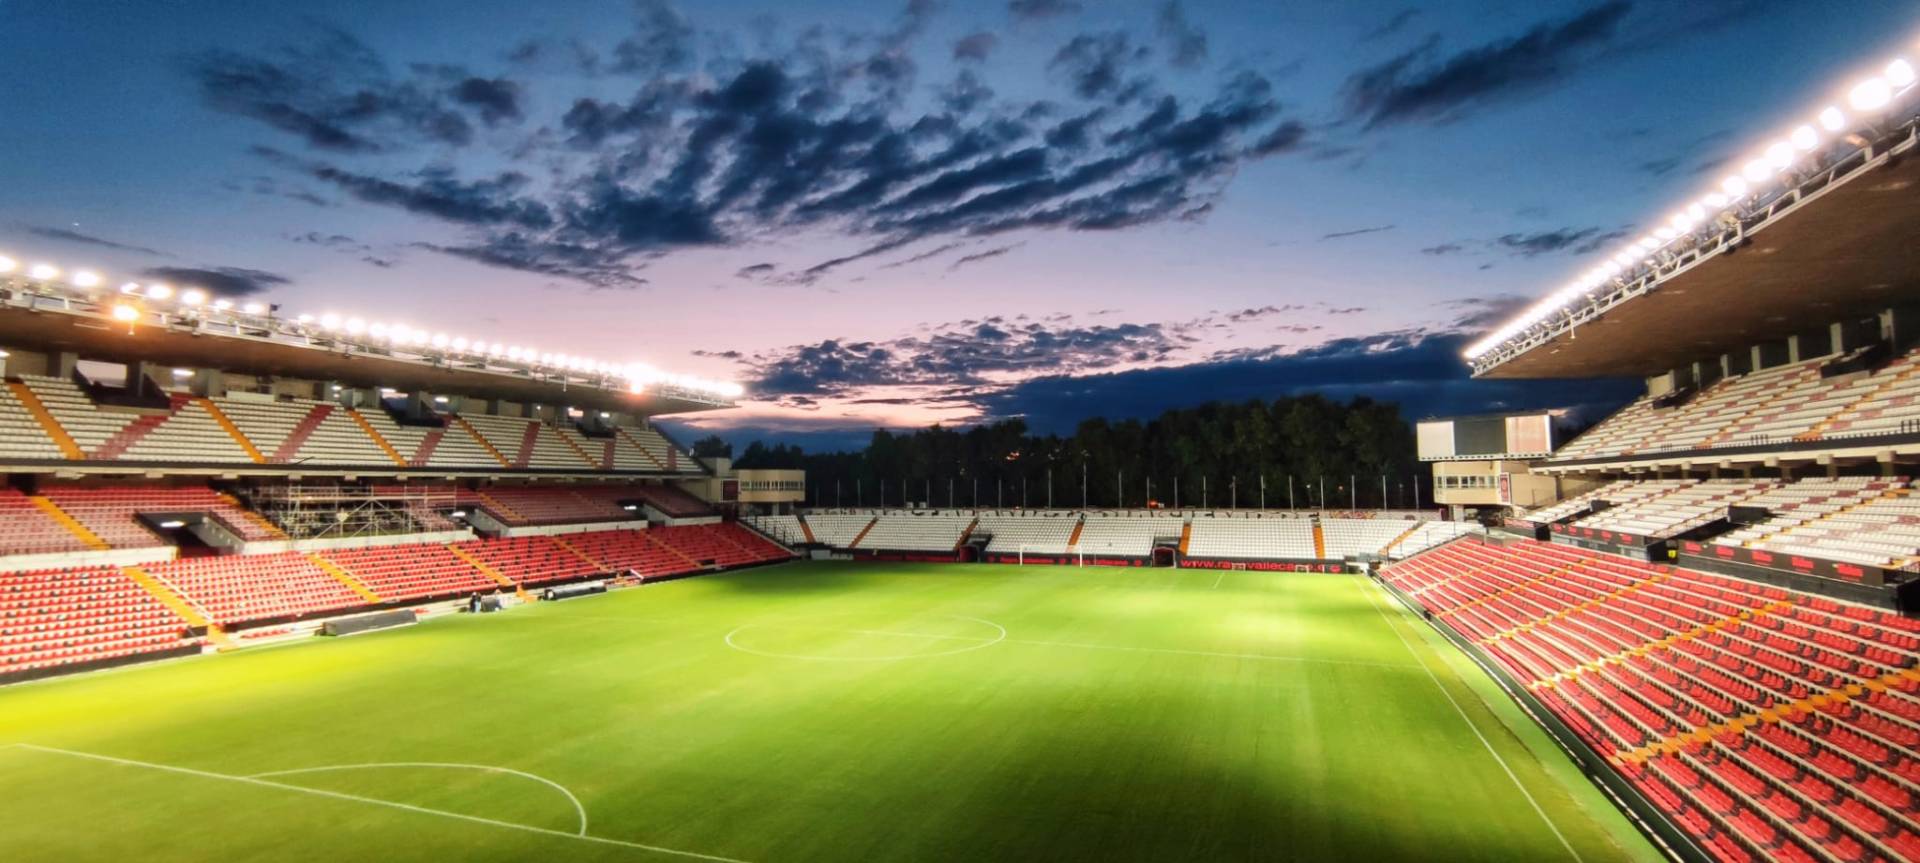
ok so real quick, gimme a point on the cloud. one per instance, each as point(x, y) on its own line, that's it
point(754, 271)
point(336, 94)
point(977, 257)
point(496, 99)
point(65, 235)
point(975, 47)
point(1035, 10)
point(1186, 44)
point(1417, 86)
point(221, 281)
point(1336, 235)
point(1443, 249)
point(1391, 26)
point(1579, 241)
point(728, 147)
point(1096, 64)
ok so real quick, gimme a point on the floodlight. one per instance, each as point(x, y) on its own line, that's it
point(439, 400)
point(1714, 200)
point(183, 373)
point(222, 304)
point(130, 288)
point(85, 279)
point(1870, 95)
point(254, 308)
point(1735, 187)
point(7, 265)
point(356, 326)
point(420, 337)
point(377, 330)
point(439, 340)
point(192, 297)
point(1898, 73)
point(1779, 154)
point(159, 292)
point(732, 390)
point(1804, 138)
point(459, 343)
point(44, 272)
point(304, 318)
point(513, 352)
point(1756, 171)
point(124, 312)
point(329, 321)
point(1832, 120)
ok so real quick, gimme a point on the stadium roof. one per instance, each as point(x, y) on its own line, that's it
point(35, 316)
point(1820, 226)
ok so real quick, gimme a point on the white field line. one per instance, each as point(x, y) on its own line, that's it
point(406, 807)
point(579, 810)
point(1077, 645)
point(1368, 588)
point(1221, 577)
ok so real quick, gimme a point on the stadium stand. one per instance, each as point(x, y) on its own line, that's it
point(21, 432)
point(111, 512)
point(1252, 538)
point(191, 434)
point(461, 446)
point(526, 560)
point(1346, 537)
point(1784, 403)
point(1123, 534)
point(240, 589)
point(1616, 493)
point(723, 545)
point(1767, 724)
point(1425, 535)
point(907, 530)
point(839, 529)
point(27, 527)
point(1044, 532)
point(339, 439)
point(1878, 525)
point(400, 573)
point(53, 618)
point(534, 504)
point(89, 427)
point(1678, 508)
point(785, 528)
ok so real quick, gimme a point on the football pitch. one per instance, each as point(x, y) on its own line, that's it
point(819, 712)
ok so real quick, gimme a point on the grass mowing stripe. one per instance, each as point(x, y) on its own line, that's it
point(1369, 590)
point(408, 807)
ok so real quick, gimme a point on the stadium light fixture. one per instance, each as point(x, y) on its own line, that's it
point(1871, 95)
point(192, 297)
point(86, 279)
point(182, 373)
point(1832, 119)
point(1804, 138)
point(159, 292)
point(304, 318)
point(1756, 171)
point(125, 313)
point(439, 340)
point(130, 288)
point(329, 321)
point(8, 265)
point(254, 308)
point(44, 272)
point(1736, 187)
point(355, 326)
point(222, 304)
point(1899, 73)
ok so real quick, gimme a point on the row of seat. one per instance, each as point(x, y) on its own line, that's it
point(1779, 404)
point(1766, 724)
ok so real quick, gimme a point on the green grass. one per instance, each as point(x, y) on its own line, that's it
point(1124, 715)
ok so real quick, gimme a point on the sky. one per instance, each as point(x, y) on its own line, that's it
point(904, 212)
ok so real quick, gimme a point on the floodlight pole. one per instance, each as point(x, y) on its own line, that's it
point(999, 500)
point(1233, 492)
point(1049, 486)
point(1119, 489)
point(1083, 481)
point(836, 492)
point(1023, 491)
point(1203, 491)
point(1263, 492)
point(1176, 491)
point(1290, 492)
point(949, 492)
point(976, 492)
point(1149, 501)
point(1416, 491)
point(1353, 493)
point(1383, 491)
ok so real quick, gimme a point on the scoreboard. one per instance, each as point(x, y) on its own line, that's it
point(1511, 436)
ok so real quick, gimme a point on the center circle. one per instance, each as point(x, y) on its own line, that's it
point(857, 639)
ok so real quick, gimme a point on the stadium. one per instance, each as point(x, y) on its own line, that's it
point(300, 584)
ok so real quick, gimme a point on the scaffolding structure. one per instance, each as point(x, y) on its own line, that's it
point(320, 511)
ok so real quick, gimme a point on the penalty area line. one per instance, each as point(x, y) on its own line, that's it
point(373, 801)
point(1368, 588)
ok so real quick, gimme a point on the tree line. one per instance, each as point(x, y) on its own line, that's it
point(1294, 451)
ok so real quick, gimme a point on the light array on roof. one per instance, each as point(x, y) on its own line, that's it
point(134, 299)
point(1868, 99)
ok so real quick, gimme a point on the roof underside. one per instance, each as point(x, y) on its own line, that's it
point(1853, 250)
point(85, 335)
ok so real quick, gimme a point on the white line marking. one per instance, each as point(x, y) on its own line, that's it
point(263, 783)
point(1368, 589)
point(1216, 654)
point(1219, 578)
point(1075, 645)
point(981, 642)
point(578, 809)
